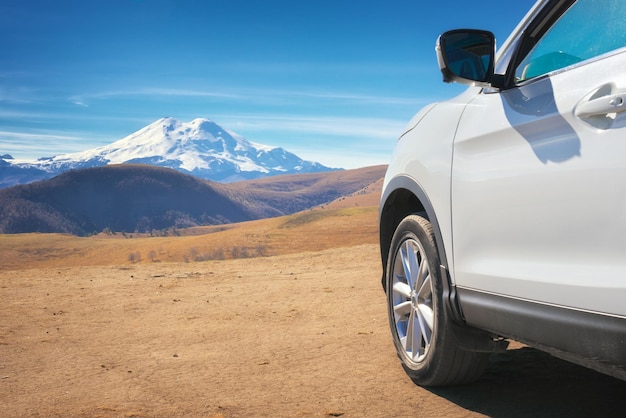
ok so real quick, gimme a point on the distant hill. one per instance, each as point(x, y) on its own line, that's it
point(146, 198)
point(200, 147)
point(282, 195)
point(12, 174)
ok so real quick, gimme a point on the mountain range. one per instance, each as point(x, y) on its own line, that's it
point(201, 148)
point(146, 198)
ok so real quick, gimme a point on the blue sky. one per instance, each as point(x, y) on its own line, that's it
point(333, 81)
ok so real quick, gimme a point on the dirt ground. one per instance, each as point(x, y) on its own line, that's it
point(293, 335)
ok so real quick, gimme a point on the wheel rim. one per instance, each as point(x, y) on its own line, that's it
point(412, 299)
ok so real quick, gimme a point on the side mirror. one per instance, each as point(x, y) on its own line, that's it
point(467, 56)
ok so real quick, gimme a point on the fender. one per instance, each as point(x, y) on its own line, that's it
point(404, 196)
point(401, 197)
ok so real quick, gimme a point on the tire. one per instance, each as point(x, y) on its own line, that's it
point(421, 331)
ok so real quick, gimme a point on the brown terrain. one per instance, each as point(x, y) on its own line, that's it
point(279, 317)
point(160, 201)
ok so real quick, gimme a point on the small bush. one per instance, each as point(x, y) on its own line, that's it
point(134, 257)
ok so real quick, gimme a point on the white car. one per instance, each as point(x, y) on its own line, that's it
point(503, 212)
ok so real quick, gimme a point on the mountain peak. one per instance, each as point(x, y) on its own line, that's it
point(200, 147)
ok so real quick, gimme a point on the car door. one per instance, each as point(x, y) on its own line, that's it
point(538, 189)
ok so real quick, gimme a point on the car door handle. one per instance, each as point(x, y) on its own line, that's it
point(612, 103)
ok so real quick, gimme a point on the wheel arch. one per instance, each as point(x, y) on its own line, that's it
point(402, 197)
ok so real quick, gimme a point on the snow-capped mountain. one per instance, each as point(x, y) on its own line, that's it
point(200, 147)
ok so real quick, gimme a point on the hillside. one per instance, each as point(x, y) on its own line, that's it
point(288, 194)
point(142, 198)
point(314, 230)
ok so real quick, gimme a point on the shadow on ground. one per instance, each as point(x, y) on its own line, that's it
point(529, 383)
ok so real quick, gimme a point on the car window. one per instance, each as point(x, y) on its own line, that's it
point(589, 28)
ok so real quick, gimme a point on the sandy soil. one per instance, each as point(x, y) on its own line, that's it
point(291, 335)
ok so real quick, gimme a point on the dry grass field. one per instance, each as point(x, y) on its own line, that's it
point(280, 317)
point(307, 231)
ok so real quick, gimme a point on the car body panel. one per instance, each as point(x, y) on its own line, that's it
point(524, 185)
point(538, 192)
point(421, 155)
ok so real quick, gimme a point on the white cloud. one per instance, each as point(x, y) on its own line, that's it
point(371, 128)
point(33, 145)
point(165, 92)
point(255, 95)
point(27, 136)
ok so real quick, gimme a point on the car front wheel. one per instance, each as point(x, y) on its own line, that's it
point(421, 331)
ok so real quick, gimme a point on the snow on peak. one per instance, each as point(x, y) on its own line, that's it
point(200, 147)
point(169, 139)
